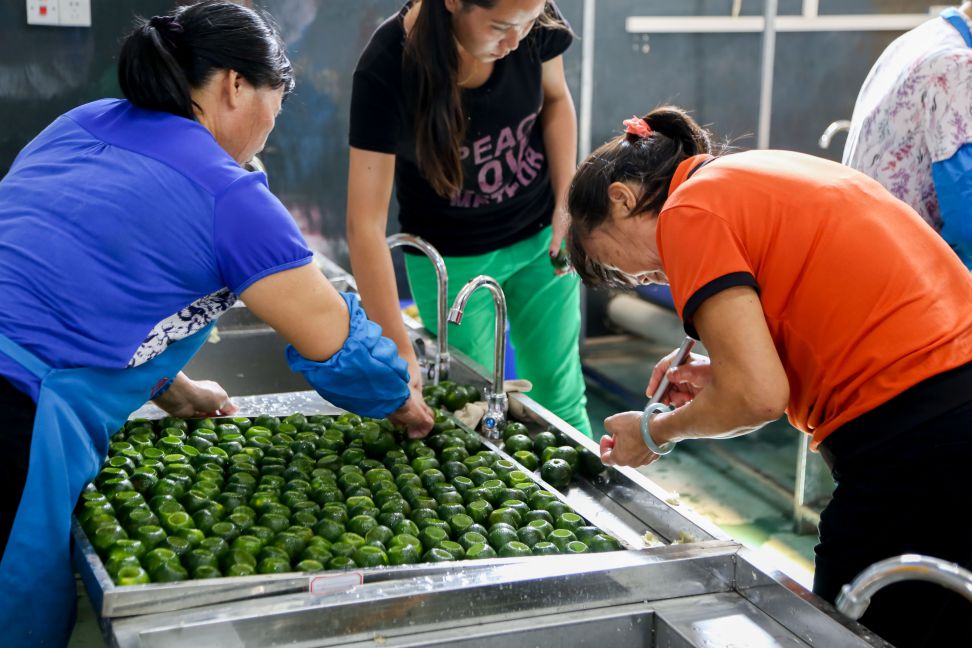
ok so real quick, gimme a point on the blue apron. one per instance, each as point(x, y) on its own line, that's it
point(77, 411)
point(953, 16)
point(951, 176)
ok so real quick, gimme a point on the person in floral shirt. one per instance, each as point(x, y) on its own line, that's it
point(912, 124)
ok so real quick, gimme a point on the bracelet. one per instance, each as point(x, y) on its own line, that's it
point(164, 387)
point(651, 410)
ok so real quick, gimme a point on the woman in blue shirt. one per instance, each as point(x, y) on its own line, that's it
point(126, 228)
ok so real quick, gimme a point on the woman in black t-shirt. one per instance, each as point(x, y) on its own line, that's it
point(464, 106)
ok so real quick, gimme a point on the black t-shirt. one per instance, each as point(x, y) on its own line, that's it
point(506, 195)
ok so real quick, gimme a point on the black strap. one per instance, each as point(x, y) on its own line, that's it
point(697, 167)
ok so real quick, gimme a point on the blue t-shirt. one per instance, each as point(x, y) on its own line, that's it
point(123, 230)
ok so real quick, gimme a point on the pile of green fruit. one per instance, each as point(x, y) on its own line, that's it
point(555, 454)
point(203, 498)
point(449, 395)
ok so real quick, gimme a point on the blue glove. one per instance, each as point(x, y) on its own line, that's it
point(366, 376)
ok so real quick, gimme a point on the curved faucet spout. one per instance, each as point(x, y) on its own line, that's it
point(440, 367)
point(496, 401)
point(832, 129)
point(854, 598)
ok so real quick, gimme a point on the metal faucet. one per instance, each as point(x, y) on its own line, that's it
point(496, 400)
point(832, 129)
point(439, 368)
point(854, 598)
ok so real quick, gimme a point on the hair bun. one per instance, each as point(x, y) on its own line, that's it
point(166, 25)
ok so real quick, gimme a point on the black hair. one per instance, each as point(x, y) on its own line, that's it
point(650, 162)
point(165, 57)
point(431, 63)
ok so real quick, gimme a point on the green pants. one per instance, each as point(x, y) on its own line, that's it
point(544, 315)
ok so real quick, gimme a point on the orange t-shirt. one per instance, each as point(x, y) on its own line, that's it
point(862, 298)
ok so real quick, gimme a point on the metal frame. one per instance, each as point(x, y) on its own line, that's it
point(682, 596)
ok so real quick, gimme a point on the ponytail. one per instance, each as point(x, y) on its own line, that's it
point(148, 72)
point(163, 59)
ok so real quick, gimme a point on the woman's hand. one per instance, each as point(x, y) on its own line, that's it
point(559, 225)
point(188, 397)
point(415, 415)
point(686, 380)
point(625, 447)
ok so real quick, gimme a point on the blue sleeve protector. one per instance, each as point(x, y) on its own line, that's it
point(366, 376)
point(953, 186)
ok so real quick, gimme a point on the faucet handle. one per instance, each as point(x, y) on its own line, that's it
point(494, 420)
point(422, 355)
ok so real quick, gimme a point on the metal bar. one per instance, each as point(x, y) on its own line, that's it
point(584, 143)
point(766, 75)
point(810, 8)
point(756, 24)
point(800, 487)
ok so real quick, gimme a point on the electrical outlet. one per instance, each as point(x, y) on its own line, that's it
point(43, 12)
point(75, 13)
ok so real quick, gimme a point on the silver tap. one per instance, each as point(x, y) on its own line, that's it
point(854, 598)
point(439, 368)
point(832, 129)
point(496, 401)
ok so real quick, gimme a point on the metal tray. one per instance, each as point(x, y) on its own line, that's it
point(621, 502)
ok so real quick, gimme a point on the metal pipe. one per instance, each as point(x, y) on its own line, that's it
point(787, 24)
point(766, 75)
point(496, 400)
point(855, 597)
point(587, 81)
point(832, 129)
point(440, 366)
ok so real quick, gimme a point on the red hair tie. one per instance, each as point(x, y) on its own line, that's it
point(637, 126)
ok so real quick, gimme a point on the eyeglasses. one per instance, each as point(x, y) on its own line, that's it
point(604, 274)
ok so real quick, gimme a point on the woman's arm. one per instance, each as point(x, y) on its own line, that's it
point(370, 179)
point(186, 397)
point(559, 123)
point(308, 312)
point(747, 385)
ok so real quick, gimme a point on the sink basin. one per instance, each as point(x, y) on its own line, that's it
point(676, 597)
point(246, 357)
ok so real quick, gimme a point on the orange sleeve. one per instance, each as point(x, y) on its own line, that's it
point(701, 255)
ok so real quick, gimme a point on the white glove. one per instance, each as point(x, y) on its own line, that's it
point(473, 413)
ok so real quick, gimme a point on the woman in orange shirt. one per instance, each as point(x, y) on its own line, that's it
point(819, 295)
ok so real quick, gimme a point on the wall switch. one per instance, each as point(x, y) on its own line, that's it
point(75, 13)
point(43, 12)
point(59, 13)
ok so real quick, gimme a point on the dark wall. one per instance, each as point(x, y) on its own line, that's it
point(45, 71)
point(717, 76)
